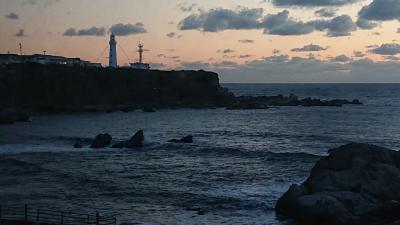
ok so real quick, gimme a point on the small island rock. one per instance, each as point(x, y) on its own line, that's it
point(101, 141)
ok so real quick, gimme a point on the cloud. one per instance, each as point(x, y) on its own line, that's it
point(398, 30)
point(392, 57)
point(45, 3)
point(282, 24)
point(381, 10)
point(219, 19)
point(245, 56)
point(312, 3)
point(171, 34)
point(387, 49)
point(358, 54)
point(185, 7)
point(325, 12)
point(127, 29)
point(12, 16)
point(341, 58)
point(226, 51)
point(339, 26)
point(366, 24)
point(20, 33)
point(309, 48)
point(303, 70)
point(248, 41)
point(276, 51)
point(196, 65)
point(93, 31)
point(222, 19)
point(225, 64)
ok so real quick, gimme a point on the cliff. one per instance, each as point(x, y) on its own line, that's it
point(54, 88)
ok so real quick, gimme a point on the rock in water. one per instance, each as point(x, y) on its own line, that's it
point(356, 184)
point(77, 145)
point(101, 141)
point(136, 141)
point(186, 139)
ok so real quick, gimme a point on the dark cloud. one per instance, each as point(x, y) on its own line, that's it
point(185, 7)
point(358, 54)
point(276, 51)
point(339, 26)
point(275, 24)
point(171, 34)
point(127, 29)
point(309, 48)
point(312, 3)
point(248, 41)
point(45, 3)
point(222, 19)
point(366, 24)
point(20, 33)
point(341, 58)
point(225, 64)
point(196, 65)
point(391, 57)
point(226, 51)
point(244, 56)
point(93, 31)
point(12, 16)
point(387, 49)
point(298, 69)
point(381, 10)
point(282, 24)
point(325, 12)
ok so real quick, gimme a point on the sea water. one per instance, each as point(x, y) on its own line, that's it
point(240, 163)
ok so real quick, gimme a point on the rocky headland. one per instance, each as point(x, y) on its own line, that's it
point(29, 87)
point(357, 184)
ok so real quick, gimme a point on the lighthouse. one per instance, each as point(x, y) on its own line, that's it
point(112, 60)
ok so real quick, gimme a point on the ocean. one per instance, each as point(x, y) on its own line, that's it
point(240, 163)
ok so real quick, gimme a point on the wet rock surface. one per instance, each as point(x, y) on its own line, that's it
point(356, 184)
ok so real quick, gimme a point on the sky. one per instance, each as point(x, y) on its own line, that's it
point(266, 41)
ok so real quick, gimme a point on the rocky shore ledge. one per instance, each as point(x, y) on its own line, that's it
point(357, 184)
point(58, 88)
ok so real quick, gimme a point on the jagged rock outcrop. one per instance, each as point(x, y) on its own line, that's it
point(357, 184)
point(136, 140)
point(101, 141)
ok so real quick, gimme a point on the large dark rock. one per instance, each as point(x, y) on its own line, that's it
point(136, 141)
point(186, 139)
point(101, 141)
point(356, 184)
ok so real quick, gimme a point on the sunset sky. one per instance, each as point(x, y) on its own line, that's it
point(243, 40)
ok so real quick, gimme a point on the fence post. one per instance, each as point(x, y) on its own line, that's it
point(62, 218)
point(97, 218)
point(37, 215)
point(26, 212)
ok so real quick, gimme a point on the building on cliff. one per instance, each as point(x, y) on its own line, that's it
point(45, 59)
point(140, 65)
point(112, 59)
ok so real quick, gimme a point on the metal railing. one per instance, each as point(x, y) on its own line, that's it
point(52, 217)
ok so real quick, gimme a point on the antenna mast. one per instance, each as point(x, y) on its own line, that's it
point(140, 53)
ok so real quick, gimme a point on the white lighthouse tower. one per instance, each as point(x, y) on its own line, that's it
point(112, 60)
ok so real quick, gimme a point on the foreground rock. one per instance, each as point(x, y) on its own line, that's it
point(356, 184)
point(186, 139)
point(101, 141)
